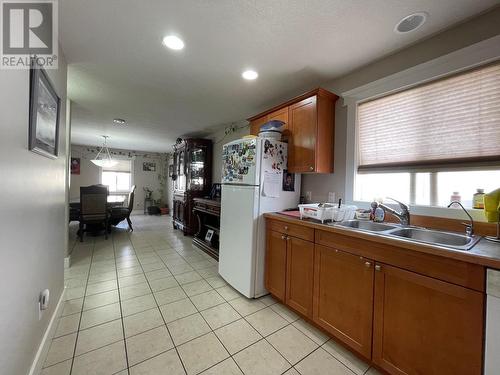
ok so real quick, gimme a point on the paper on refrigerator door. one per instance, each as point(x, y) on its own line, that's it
point(273, 164)
point(272, 184)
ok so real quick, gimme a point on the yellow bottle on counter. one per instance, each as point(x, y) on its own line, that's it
point(478, 199)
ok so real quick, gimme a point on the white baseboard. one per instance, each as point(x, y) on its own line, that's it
point(67, 262)
point(43, 349)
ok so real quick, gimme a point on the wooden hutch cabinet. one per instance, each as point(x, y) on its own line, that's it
point(192, 178)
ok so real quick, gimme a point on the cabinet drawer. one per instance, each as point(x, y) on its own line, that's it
point(293, 230)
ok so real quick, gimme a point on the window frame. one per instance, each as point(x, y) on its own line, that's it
point(122, 193)
point(462, 60)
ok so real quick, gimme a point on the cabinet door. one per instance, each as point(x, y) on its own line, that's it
point(275, 275)
point(426, 326)
point(343, 296)
point(299, 275)
point(302, 117)
point(280, 115)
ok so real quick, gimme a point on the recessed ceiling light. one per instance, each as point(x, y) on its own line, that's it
point(250, 75)
point(173, 42)
point(119, 121)
point(411, 22)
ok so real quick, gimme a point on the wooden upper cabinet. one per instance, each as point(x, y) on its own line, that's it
point(299, 275)
point(275, 270)
point(343, 297)
point(303, 136)
point(256, 124)
point(309, 129)
point(426, 326)
point(279, 115)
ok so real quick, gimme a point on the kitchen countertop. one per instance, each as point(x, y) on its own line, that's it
point(485, 253)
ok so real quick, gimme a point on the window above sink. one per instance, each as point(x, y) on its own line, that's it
point(425, 188)
point(420, 144)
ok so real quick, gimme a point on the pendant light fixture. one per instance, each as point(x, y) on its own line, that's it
point(104, 161)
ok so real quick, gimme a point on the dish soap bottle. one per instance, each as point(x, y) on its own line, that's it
point(478, 199)
point(456, 196)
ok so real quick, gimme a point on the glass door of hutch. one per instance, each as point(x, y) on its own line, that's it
point(197, 160)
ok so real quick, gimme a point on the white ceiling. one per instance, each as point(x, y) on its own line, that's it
point(118, 67)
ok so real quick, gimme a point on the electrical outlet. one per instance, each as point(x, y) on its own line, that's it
point(43, 302)
point(308, 196)
point(331, 197)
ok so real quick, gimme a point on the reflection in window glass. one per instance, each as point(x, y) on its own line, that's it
point(116, 181)
point(398, 185)
point(377, 186)
point(466, 183)
point(422, 189)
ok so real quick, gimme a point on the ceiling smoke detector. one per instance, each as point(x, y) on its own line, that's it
point(119, 121)
point(411, 23)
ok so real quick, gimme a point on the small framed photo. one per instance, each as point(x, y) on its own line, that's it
point(170, 170)
point(209, 235)
point(75, 165)
point(148, 166)
point(44, 113)
point(288, 181)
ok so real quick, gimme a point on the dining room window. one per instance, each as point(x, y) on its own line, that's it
point(423, 144)
point(119, 177)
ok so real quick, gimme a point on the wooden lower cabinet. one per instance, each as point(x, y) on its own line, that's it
point(426, 326)
point(343, 297)
point(402, 320)
point(275, 273)
point(299, 275)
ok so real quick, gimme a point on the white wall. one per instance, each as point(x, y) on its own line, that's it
point(90, 174)
point(219, 138)
point(32, 222)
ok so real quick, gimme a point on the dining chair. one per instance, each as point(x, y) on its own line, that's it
point(93, 208)
point(119, 214)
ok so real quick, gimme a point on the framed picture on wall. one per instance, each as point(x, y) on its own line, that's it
point(75, 165)
point(170, 170)
point(149, 166)
point(44, 113)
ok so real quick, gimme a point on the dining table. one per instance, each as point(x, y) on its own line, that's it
point(112, 201)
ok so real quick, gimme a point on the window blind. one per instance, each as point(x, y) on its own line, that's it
point(122, 165)
point(454, 120)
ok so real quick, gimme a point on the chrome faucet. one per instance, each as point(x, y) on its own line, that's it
point(469, 228)
point(403, 216)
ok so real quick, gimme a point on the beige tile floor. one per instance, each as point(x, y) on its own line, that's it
point(148, 302)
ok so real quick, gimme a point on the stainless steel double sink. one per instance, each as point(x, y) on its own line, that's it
point(429, 236)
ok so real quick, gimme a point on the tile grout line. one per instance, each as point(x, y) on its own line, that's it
point(212, 331)
point(158, 308)
point(120, 305)
point(81, 311)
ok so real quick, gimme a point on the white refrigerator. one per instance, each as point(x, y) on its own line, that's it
point(254, 181)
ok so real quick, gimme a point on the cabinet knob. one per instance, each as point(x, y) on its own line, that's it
point(286, 228)
point(311, 168)
point(367, 264)
point(378, 268)
point(283, 237)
